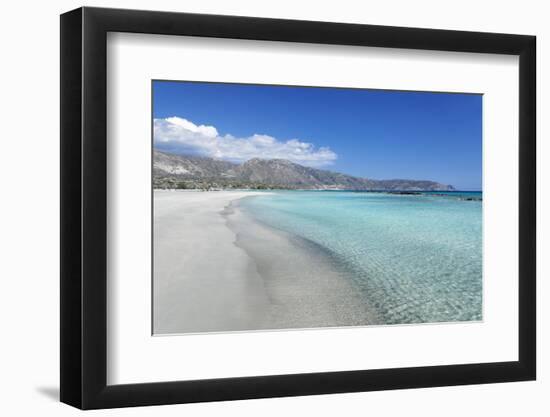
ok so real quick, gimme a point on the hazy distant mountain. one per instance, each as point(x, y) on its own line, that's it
point(178, 171)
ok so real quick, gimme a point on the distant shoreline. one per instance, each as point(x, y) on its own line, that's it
point(465, 195)
point(321, 189)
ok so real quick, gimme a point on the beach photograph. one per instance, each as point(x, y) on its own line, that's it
point(292, 207)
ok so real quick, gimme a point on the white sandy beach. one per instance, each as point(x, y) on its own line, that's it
point(215, 269)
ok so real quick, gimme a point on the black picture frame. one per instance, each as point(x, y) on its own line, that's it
point(84, 208)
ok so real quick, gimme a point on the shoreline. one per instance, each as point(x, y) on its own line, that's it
point(218, 270)
point(306, 286)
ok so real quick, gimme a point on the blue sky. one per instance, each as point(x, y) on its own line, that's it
point(368, 133)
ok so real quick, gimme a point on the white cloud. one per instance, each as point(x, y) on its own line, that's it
point(179, 135)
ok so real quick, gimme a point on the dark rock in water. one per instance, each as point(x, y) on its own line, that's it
point(405, 192)
point(183, 171)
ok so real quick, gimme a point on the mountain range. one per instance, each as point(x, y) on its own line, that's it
point(185, 171)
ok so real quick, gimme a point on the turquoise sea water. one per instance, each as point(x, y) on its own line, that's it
point(413, 258)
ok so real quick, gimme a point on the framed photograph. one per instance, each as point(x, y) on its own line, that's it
point(257, 208)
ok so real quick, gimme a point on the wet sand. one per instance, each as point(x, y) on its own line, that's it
point(218, 270)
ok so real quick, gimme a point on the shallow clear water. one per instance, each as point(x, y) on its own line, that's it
point(413, 258)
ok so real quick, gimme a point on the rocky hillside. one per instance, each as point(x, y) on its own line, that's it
point(178, 171)
point(196, 167)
